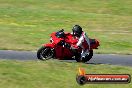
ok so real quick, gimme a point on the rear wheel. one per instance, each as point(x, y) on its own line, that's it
point(77, 57)
point(88, 56)
point(45, 53)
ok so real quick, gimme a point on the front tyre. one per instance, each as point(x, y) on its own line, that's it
point(45, 53)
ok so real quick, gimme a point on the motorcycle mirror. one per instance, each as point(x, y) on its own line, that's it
point(62, 30)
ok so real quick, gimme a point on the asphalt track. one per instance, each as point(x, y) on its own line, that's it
point(112, 59)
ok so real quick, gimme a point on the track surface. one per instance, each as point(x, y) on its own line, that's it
point(97, 58)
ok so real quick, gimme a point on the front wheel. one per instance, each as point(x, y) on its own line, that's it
point(45, 53)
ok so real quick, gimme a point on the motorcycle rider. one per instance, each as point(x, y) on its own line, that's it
point(83, 40)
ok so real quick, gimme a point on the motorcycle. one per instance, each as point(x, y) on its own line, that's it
point(60, 48)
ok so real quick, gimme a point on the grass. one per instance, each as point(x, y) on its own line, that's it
point(53, 74)
point(26, 24)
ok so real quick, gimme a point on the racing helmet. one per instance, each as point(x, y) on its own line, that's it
point(77, 30)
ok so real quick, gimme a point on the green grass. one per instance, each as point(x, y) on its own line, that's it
point(53, 74)
point(26, 24)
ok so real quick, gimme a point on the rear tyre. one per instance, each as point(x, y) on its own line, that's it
point(78, 57)
point(45, 53)
point(88, 56)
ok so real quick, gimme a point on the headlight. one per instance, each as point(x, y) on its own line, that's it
point(51, 40)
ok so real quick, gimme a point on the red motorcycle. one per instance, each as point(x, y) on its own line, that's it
point(60, 48)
